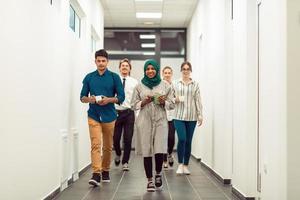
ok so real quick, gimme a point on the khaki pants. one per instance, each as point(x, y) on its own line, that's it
point(99, 132)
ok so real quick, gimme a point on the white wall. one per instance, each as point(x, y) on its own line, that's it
point(273, 99)
point(196, 51)
point(225, 53)
point(293, 99)
point(42, 67)
point(206, 51)
point(244, 98)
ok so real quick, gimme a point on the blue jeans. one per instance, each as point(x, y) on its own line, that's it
point(185, 132)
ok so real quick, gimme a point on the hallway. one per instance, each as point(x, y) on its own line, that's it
point(244, 56)
point(132, 185)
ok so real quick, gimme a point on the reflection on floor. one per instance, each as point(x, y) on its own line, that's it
point(132, 185)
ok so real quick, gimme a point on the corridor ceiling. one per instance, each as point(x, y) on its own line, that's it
point(122, 13)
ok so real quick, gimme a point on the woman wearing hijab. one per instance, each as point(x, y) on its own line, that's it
point(152, 97)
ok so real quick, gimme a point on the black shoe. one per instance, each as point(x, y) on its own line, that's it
point(117, 160)
point(150, 186)
point(95, 180)
point(171, 160)
point(105, 177)
point(158, 182)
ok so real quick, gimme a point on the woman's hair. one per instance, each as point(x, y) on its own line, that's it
point(167, 67)
point(186, 63)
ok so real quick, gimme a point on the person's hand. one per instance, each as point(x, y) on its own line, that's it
point(147, 100)
point(177, 100)
point(199, 122)
point(90, 99)
point(104, 101)
point(162, 99)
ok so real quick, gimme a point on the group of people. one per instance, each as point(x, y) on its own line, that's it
point(163, 106)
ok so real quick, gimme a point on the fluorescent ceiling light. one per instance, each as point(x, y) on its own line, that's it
point(147, 36)
point(149, 53)
point(148, 15)
point(148, 23)
point(150, 0)
point(148, 45)
point(125, 52)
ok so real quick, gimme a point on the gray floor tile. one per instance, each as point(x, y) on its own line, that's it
point(132, 185)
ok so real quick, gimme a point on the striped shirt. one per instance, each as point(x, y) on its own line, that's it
point(190, 107)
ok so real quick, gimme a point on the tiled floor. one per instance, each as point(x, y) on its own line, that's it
point(132, 185)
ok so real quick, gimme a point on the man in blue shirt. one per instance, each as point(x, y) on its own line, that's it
point(101, 89)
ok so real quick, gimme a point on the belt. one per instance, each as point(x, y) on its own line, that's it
point(124, 111)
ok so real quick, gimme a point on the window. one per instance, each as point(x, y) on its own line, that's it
point(135, 43)
point(94, 39)
point(93, 44)
point(74, 21)
point(130, 42)
point(172, 42)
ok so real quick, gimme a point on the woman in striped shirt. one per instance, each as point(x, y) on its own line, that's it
point(188, 112)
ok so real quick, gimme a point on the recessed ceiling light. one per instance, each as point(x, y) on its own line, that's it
point(150, 53)
point(147, 36)
point(148, 45)
point(150, 0)
point(148, 15)
point(148, 23)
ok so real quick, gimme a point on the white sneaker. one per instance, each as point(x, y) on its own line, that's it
point(150, 186)
point(165, 165)
point(125, 167)
point(186, 170)
point(179, 169)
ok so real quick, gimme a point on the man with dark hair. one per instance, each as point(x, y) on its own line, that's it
point(101, 89)
point(126, 116)
point(101, 53)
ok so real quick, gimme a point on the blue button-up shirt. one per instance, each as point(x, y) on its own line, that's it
point(108, 84)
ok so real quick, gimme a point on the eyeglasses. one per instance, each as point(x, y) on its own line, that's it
point(185, 69)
